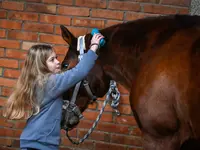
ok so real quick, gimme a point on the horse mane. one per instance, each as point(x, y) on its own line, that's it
point(133, 31)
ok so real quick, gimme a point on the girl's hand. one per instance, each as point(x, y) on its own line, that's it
point(95, 41)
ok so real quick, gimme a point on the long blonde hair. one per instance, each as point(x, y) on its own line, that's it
point(34, 73)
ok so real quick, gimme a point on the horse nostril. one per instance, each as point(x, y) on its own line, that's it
point(74, 120)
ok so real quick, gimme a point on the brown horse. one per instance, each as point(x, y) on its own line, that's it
point(157, 59)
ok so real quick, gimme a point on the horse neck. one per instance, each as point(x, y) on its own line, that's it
point(119, 61)
point(130, 45)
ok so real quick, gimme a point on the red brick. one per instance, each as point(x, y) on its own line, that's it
point(23, 16)
point(102, 98)
point(109, 127)
point(149, 1)
point(5, 91)
point(41, 8)
point(135, 131)
point(118, 5)
point(46, 28)
point(76, 31)
point(6, 123)
point(88, 145)
point(135, 16)
point(2, 100)
point(16, 143)
point(59, 2)
point(183, 10)
point(107, 108)
point(5, 142)
point(55, 19)
point(108, 146)
point(11, 73)
point(126, 120)
point(3, 14)
point(17, 133)
point(12, 5)
point(7, 82)
point(27, 45)
point(122, 89)
point(2, 33)
point(91, 3)
point(1, 52)
point(20, 124)
point(106, 117)
point(86, 124)
point(124, 99)
point(110, 14)
point(72, 133)
point(9, 44)
point(62, 50)
point(124, 109)
point(21, 64)
point(28, 36)
point(75, 11)
point(60, 58)
point(10, 24)
point(10, 63)
point(158, 9)
point(6, 132)
point(112, 22)
point(88, 23)
point(10, 53)
point(176, 2)
point(55, 39)
point(92, 106)
point(99, 136)
point(127, 140)
point(7, 148)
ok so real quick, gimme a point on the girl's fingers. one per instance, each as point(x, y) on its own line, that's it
point(97, 37)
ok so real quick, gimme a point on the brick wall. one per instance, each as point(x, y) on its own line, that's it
point(26, 22)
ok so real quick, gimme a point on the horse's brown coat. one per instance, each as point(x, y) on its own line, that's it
point(158, 61)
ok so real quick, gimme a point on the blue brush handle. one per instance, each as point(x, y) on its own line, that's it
point(102, 41)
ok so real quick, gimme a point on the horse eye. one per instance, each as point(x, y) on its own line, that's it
point(65, 66)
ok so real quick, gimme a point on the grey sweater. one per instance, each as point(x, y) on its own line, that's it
point(42, 131)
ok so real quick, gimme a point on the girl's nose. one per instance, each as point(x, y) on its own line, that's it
point(57, 61)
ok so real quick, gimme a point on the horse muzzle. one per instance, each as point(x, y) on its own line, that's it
point(71, 115)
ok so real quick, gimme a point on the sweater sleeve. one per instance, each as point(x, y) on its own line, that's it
point(59, 83)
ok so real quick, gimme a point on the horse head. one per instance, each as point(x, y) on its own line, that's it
point(97, 84)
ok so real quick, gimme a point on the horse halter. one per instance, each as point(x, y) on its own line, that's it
point(81, 47)
point(69, 107)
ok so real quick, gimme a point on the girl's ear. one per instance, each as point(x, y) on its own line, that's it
point(67, 35)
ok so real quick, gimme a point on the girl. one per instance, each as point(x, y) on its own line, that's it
point(39, 88)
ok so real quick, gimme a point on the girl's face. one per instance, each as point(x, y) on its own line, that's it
point(53, 64)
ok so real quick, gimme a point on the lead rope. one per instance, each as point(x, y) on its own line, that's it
point(112, 94)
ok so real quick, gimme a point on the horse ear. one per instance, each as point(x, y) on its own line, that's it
point(67, 35)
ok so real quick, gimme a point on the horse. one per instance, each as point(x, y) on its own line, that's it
point(157, 59)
